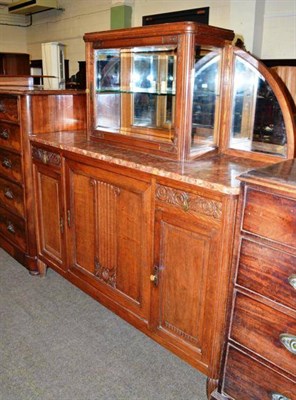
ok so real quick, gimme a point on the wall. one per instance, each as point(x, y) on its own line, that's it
point(13, 38)
point(267, 26)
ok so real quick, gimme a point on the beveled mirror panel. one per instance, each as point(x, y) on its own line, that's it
point(135, 91)
point(257, 119)
point(206, 92)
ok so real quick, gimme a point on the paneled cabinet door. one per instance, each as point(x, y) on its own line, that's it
point(109, 235)
point(50, 220)
point(186, 253)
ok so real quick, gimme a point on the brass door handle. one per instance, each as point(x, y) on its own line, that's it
point(154, 276)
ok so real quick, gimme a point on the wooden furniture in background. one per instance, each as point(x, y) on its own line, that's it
point(25, 112)
point(288, 76)
point(14, 64)
point(260, 361)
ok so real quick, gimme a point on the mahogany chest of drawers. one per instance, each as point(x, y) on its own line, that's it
point(260, 356)
point(24, 113)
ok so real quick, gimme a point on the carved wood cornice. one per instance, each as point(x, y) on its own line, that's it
point(189, 202)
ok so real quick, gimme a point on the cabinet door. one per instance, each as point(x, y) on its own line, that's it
point(50, 221)
point(186, 257)
point(109, 235)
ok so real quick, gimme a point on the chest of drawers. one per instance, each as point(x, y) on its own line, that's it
point(260, 356)
point(24, 113)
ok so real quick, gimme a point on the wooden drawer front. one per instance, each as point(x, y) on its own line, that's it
point(10, 136)
point(11, 197)
point(271, 216)
point(9, 108)
point(267, 271)
point(10, 165)
point(247, 379)
point(13, 228)
point(259, 327)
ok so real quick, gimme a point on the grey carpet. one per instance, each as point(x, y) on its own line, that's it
point(57, 343)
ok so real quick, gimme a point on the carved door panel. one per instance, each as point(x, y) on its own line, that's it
point(186, 259)
point(110, 234)
point(50, 220)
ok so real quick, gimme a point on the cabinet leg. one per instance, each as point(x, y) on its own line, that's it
point(212, 385)
point(42, 268)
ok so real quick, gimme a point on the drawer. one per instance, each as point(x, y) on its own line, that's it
point(12, 197)
point(247, 379)
point(10, 136)
point(9, 108)
point(13, 228)
point(10, 165)
point(271, 216)
point(268, 272)
point(259, 328)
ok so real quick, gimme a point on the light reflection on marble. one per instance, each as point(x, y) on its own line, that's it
point(218, 173)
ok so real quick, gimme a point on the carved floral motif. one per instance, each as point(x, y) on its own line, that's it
point(105, 274)
point(46, 157)
point(189, 202)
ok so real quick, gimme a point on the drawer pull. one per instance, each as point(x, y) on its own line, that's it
point(10, 227)
point(289, 341)
point(2, 107)
point(7, 163)
point(8, 193)
point(292, 280)
point(278, 396)
point(4, 134)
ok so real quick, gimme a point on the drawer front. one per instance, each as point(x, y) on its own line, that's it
point(13, 228)
point(10, 136)
point(12, 197)
point(10, 165)
point(248, 379)
point(271, 216)
point(260, 328)
point(267, 271)
point(9, 108)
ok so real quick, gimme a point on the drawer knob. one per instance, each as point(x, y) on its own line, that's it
point(4, 134)
point(10, 228)
point(6, 163)
point(8, 193)
point(292, 280)
point(289, 341)
point(278, 396)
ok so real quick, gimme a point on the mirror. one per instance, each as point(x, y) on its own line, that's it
point(205, 99)
point(135, 91)
point(257, 123)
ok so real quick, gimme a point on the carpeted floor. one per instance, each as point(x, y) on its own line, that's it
point(57, 343)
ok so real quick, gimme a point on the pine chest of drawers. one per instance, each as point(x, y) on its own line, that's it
point(260, 356)
point(23, 113)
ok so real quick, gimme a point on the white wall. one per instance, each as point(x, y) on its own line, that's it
point(267, 26)
point(12, 38)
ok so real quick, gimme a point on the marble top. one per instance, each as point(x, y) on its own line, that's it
point(283, 173)
point(218, 173)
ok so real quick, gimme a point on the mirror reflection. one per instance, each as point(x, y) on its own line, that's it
point(205, 99)
point(135, 90)
point(257, 123)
